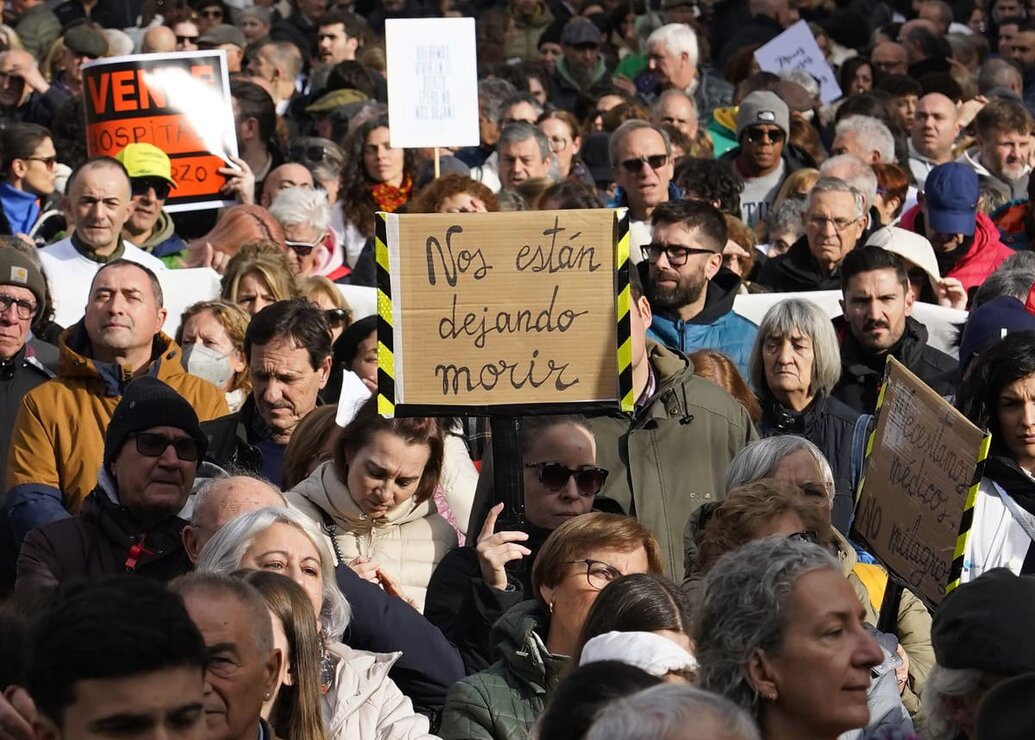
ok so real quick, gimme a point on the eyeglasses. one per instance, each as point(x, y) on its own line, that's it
point(589, 479)
point(558, 144)
point(337, 317)
point(212, 13)
point(48, 162)
point(634, 166)
point(22, 309)
point(598, 573)
point(140, 186)
point(840, 224)
point(304, 249)
point(312, 153)
point(805, 535)
point(677, 256)
point(757, 135)
point(155, 445)
point(187, 39)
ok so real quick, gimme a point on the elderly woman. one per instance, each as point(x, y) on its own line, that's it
point(374, 501)
point(780, 633)
point(795, 364)
point(998, 394)
point(309, 242)
point(360, 700)
point(474, 586)
point(211, 334)
point(667, 711)
point(258, 275)
point(534, 638)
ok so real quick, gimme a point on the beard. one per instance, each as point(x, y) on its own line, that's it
point(687, 291)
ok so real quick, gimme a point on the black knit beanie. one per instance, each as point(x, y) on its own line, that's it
point(148, 403)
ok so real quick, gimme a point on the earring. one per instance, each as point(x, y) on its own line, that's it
point(267, 696)
point(771, 696)
point(551, 607)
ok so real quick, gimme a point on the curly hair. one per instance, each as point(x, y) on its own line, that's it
point(430, 199)
point(354, 192)
point(713, 180)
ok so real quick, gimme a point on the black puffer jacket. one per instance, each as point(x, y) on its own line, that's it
point(862, 372)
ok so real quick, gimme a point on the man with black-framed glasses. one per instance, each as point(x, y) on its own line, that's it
point(131, 522)
point(150, 180)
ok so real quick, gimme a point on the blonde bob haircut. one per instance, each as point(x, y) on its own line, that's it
point(807, 318)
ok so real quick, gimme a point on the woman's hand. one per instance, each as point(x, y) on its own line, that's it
point(240, 181)
point(496, 549)
point(365, 568)
point(392, 587)
point(951, 293)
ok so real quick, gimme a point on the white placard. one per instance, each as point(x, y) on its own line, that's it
point(432, 82)
point(796, 48)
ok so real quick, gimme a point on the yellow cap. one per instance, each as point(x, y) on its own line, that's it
point(146, 160)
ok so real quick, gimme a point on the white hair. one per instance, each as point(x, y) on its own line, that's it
point(678, 38)
point(225, 551)
point(942, 684)
point(302, 207)
point(873, 135)
point(801, 78)
point(669, 711)
point(853, 171)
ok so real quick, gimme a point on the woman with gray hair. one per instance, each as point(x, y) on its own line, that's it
point(673, 712)
point(795, 364)
point(310, 243)
point(360, 700)
point(780, 633)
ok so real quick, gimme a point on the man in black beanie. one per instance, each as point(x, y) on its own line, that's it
point(131, 522)
point(981, 634)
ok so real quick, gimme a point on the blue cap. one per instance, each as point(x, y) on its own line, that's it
point(951, 196)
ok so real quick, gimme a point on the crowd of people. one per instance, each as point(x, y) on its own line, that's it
point(208, 530)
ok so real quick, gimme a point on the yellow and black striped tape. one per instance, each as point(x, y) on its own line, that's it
point(967, 520)
point(385, 331)
point(623, 305)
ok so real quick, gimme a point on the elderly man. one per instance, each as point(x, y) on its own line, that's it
point(676, 108)
point(278, 63)
point(641, 160)
point(288, 175)
point(934, 133)
point(228, 38)
point(57, 444)
point(524, 154)
point(890, 58)
point(158, 39)
point(131, 521)
point(835, 217)
point(925, 47)
point(763, 157)
point(1003, 146)
point(859, 174)
point(672, 56)
point(691, 295)
point(867, 138)
point(150, 180)
point(877, 322)
point(581, 69)
point(220, 500)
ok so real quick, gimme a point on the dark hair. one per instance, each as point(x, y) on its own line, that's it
point(413, 430)
point(109, 627)
point(870, 259)
point(636, 282)
point(355, 26)
point(585, 691)
point(1002, 115)
point(711, 180)
point(296, 319)
point(900, 85)
point(347, 345)
point(532, 427)
point(156, 286)
point(695, 215)
point(641, 602)
point(871, 104)
point(1008, 360)
point(255, 102)
point(851, 66)
point(18, 141)
point(14, 648)
point(571, 195)
point(351, 75)
point(354, 192)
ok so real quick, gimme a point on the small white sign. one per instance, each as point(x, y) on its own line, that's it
point(796, 48)
point(432, 82)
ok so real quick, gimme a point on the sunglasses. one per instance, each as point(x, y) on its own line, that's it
point(141, 185)
point(311, 153)
point(337, 317)
point(48, 162)
point(805, 535)
point(588, 479)
point(155, 445)
point(758, 135)
point(634, 166)
point(303, 249)
point(187, 39)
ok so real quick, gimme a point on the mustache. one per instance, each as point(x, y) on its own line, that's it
point(870, 325)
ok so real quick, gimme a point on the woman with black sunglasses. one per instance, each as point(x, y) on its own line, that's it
point(474, 585)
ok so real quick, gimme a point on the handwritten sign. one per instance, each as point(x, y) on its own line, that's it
point(180, 102)
point(501, 310)
point(921, 475)
point(432, 82)
point(796, 48)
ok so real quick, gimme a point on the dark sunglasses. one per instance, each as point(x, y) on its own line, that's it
point(805, 535)
point(155, 445)
point(140, 186)
point(303, 249)
point(311, 153)
point(757, 135)
point(634, 166)
point(187, 39)
point(588, 480)
point(337, 317)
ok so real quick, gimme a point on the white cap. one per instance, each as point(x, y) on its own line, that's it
point(653, 653)
point(914, 248)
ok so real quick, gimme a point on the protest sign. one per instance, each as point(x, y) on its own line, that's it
point(503, 313)
point(432, 82)
point(180, 102)
point(796, 48)
point(916, 499)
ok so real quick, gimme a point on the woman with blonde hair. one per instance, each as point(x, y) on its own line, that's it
point(211, 334)
point(258, 275)
point(796, 186)
point(321, 291)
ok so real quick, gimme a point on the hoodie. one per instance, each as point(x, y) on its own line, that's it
point(1018, 188)
point(715, 327)
point(164, 243)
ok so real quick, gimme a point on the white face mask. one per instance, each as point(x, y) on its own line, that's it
point(208, 364)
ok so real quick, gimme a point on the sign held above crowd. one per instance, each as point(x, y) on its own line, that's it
point(180, 102)
point(503, 313)
point(796, 48)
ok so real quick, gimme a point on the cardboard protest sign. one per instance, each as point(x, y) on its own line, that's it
point(916, 499)
point(180, 102)
point(503, 313)
point(432, 82)
point(796, 48)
